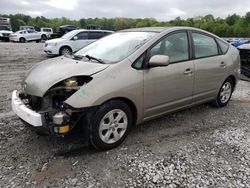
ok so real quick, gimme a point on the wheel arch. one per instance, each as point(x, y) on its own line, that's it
point(131, 105)
point(232, 77)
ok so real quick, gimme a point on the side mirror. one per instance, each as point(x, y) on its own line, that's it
point(159, 61)
point(75, 38)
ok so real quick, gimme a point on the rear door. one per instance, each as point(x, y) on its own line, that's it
point(171, 87)
point(95, 35)
point(210, 66)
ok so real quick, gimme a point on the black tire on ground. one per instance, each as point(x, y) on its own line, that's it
point(65, 50)
point(44, 37)
point(22, 40)
point(225, 93)
point(102, 125)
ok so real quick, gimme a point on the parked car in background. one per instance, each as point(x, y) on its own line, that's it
point(47, 32)
point(26, 36)
point(73, 41)
point(127, 78)
point(5, 29)
point(238, 42)
point(245, 59)
point(60, 31)
point(26, 27)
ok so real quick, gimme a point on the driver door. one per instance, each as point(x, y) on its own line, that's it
point(171, 87)
point(79, 41)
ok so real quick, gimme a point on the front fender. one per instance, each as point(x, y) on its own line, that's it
point(118, 81)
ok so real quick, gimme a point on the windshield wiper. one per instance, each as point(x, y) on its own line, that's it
point(73, 56)
point(77, 57)
point(94, 58)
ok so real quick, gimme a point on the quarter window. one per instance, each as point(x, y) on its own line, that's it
point(175, 46)
point(204, 45)
point(223, 46)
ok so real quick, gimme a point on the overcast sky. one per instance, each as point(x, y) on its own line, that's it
point(160, 9)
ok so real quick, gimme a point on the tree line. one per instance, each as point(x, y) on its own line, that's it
point(232, 26)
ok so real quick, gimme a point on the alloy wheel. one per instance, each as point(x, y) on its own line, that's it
point(113, 126)
point(225, 92)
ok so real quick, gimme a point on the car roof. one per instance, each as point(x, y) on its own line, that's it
point(93, 30)
point(147, 29)
point(159, 29)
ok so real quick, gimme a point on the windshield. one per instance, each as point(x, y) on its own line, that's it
point(117, 46)
point(5, 27)
point(70, 34)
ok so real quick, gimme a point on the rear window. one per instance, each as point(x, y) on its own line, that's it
point(223, 46)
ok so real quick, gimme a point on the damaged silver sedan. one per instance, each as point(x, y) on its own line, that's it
point(125, 79)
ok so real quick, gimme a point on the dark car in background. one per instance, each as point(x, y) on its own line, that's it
point(60, 31)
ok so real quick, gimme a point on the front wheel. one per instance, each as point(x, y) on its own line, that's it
point(110, 125)
point(65, 50)
point(22, 40)
point(224, 94)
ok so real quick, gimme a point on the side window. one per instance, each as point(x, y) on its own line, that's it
point(82, 36)
point(175, 46)
point(95, 35)
point(223, 46)
point(204, 46)
point(30, 31)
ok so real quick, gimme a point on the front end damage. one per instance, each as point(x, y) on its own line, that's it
point(50, 112)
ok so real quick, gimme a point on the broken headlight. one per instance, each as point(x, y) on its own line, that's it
point(71, 82)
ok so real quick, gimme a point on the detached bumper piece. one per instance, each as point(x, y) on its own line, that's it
point(26, 114)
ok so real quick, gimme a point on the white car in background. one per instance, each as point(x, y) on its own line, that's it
point(73, 41)
point(26, 36)
point(47, 32)
point(5, 32)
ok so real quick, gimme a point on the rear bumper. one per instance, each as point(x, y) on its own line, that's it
point(31, 117)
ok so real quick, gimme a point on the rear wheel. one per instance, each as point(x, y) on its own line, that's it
point(44, 37)
point(22, 40)
point(224, 94)
point(65, 50)
point(110, 125)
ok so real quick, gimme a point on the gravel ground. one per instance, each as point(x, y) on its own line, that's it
point(198, 147)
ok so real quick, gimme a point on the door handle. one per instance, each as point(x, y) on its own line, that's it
point(222, 64)
point(188, 71)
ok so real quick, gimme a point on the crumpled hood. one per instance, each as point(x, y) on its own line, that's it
point(49, 72)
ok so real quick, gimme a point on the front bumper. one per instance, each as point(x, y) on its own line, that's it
point(51, 50)
point(31, 117)
point(14, 39)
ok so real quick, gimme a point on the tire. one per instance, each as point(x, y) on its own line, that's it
point(44, 37)
point(65, 50)
point(22, 40)
point(109, 125)
point(224, 94)
point(37, 41)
